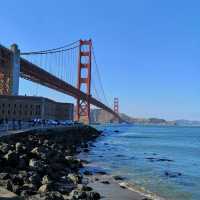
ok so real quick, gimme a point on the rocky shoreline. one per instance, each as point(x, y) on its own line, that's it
point(41, 164)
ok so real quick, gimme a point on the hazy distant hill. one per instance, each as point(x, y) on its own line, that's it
point(184, 122)
point(146, 120)
point(101, 116)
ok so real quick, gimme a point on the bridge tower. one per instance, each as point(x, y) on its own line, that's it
point(9, 71)
point(84, 80)
point(116, 105)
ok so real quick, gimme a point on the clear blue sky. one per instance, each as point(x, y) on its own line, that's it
point(148, 50)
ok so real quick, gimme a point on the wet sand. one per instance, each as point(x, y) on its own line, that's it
point(111, 189)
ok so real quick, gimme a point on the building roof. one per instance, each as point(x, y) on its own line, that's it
point(22, 97)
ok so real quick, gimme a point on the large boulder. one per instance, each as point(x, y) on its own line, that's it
point(46, 180)
point(93, 195)
point(4, 176)
point(40, 152)
point(78, 194)
point(34, 179)
point(36, 165)
point(74, 178)
point(19, 147)
point(63, 188)
point(4, 147)
point(11, 158)
point(17, 179)
point(7, 184)
point(45, 188)
point(46, 196)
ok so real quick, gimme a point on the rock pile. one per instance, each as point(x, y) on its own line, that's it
point(41, 165)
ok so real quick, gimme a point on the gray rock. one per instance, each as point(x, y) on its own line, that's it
point(46, 196)
point(26, 193)
point(86, 150)
point(7, 184)
point(4, 176)
point(77, 194)
point(29, 187)
point(45, 188)
point(4, 148)
point(15, 189)
point(35, 151)
point(87, 173)
point(11, 157)
point(35, 179)
point(105, 182)
point(17, 179)
point(74, 178)
point(36, 164)
point(101, 172)
point(172, 174)
point(22, 164)
point(19, 147)
point(93, 196)
point(118, 178)
point(46, 142)
point(63, 188)
point(84, 187)
point(46, 180)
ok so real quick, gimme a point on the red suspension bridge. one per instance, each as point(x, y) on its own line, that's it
point(71, 69)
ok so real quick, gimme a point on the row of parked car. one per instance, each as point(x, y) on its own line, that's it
point(54, 122)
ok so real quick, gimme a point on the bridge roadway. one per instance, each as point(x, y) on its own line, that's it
point(36, 74)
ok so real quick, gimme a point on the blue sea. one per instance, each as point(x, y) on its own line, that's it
point(161, 159)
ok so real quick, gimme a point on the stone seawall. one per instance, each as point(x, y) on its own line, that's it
point(39, 164)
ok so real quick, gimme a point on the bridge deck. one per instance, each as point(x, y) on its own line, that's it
point(34, 73)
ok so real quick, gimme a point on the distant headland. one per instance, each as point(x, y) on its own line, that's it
point(101, 116)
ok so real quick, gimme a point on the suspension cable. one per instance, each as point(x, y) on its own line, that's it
point(51, 50)
point(99, 77)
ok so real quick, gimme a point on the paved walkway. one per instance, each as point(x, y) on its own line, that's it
point(10, 132)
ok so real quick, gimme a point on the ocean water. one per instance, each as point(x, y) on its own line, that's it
point(135, 152)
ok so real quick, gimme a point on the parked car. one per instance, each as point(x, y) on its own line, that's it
point(78, 123)
point(52, 122)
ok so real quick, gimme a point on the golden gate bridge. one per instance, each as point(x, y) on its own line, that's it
point(71, 69)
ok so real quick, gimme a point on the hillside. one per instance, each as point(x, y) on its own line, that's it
point(101, 116)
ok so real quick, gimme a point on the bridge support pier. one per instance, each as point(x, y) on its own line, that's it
point(15, 62)
point(116, 109)
point(9, 71)
point(84, 80)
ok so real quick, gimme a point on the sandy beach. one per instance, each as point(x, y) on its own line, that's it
point(111, 189)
